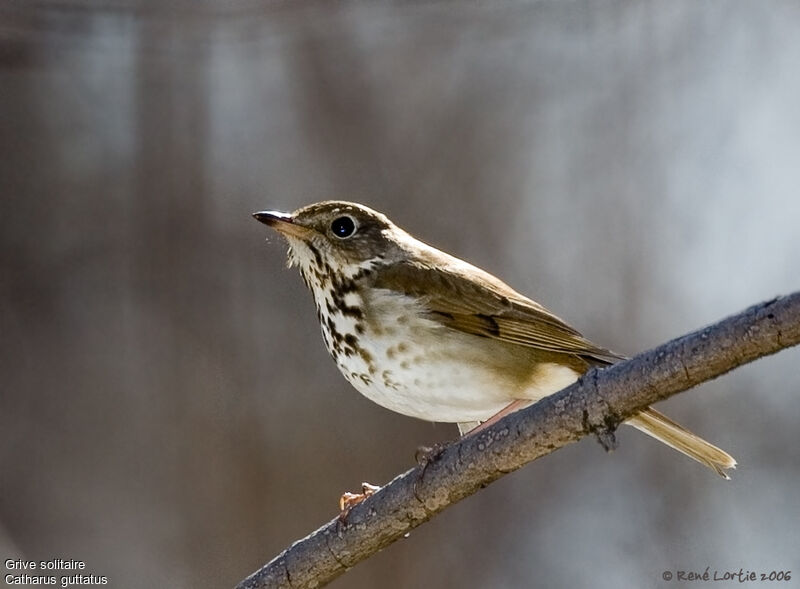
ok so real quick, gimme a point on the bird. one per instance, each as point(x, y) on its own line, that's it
point(428, 335)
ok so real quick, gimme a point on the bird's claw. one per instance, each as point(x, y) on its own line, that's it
point(427, 454)
point(349, 500)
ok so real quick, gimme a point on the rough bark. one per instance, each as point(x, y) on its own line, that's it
point(596, 404)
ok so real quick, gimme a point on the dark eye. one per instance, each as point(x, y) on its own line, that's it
point(343, 227)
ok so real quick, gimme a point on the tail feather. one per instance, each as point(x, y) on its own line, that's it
point(663, 429)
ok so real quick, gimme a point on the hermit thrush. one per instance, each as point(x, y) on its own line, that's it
point(428, 335)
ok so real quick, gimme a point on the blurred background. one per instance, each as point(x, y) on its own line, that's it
point(168, 412)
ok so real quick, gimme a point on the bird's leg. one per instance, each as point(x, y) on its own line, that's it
point(510, 408)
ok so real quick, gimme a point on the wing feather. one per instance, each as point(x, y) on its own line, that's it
point(470, 300)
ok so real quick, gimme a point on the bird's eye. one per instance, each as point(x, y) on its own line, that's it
point(343, 227)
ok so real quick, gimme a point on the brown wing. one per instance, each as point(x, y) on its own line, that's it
point(468, 299)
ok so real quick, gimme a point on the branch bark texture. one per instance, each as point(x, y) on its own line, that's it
point(596, 404)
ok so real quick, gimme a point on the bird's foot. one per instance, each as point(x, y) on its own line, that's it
point(424, 456)
point(349, 500)
point(427, 454)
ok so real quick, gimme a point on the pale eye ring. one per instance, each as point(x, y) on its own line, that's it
point(343, 227)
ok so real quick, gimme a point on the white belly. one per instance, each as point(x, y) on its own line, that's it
point(420, 368)
point(442, 383)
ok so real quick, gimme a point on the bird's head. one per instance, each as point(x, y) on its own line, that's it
point(337, 238)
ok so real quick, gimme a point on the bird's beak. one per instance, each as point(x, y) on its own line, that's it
point(283, 223)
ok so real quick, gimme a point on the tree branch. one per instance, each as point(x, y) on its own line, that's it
point(596, 404)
